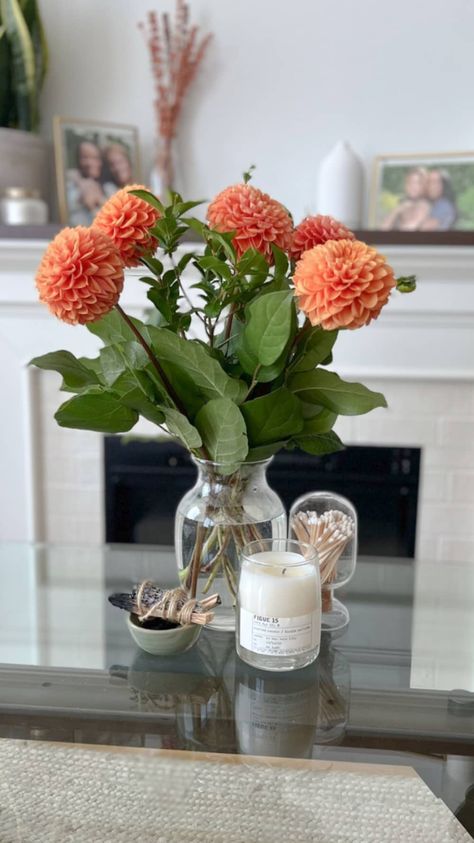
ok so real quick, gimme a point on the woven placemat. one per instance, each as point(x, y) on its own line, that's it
point(52, 793)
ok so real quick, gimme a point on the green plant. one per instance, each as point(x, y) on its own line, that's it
point(23, 64)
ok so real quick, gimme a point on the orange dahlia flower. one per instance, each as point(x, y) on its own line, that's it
point(342, 284)
point(80, 276)
point(126, 219)
point(257, 219)
point(315, 230)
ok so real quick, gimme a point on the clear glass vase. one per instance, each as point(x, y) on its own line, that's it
point(215, 519)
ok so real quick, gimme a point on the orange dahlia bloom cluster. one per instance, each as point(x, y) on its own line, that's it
point(256, 218)
point(126, 219)
point(342, 284)
point(80, 276)
point(315, 230)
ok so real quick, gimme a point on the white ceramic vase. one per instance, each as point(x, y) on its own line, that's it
point(340, 185)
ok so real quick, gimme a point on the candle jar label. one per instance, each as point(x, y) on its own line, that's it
point(269, 636)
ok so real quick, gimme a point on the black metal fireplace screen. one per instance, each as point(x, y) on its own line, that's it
point(144, 481)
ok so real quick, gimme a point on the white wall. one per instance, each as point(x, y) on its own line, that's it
point(282, 82)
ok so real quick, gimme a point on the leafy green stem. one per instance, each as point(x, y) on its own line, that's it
point(254, 382)
point(153, 360)
point(229, 320)
point(184, 292)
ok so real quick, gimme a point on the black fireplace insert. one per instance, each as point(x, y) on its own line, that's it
point(145, 479)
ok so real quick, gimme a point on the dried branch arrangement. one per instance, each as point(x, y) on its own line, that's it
point(174, 605)
point(176, 52)
point(329, 533)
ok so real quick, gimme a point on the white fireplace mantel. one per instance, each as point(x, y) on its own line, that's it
point(427, 334)
point(420, 352)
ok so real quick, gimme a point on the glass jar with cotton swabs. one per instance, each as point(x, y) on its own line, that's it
point(328, 522)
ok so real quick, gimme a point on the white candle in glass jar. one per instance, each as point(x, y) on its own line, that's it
point(279, 604)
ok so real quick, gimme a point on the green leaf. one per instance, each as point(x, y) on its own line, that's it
point(150, 199)
point(112, 328)
point(272, 417)
point(268, 326)
point(183, 262)
point(280, 262)
point(265, 374)
point(76, 375)
point(102, 412)
point(183, 207)
point(92, 363)
point(324, 443)
point(316, 349)
point(252, 261)
point(321, 422)
point(406, 284)
point(219, 267)
point(136, 400)
point(223, 432)
point(329, 390)
point(116, 359)
point(264, 452)
point(196, 376)
point(153, 264)
point(196, 225)
point(248, 174)
point(221, 241)
point(129, 381)
point(180, 426)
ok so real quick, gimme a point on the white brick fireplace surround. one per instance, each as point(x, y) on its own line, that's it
point(420, 353)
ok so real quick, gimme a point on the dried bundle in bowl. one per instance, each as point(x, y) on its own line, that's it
point(148, 600)
point(329, 533)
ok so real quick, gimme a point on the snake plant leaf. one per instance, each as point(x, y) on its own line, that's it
point(34, 23)
point(23, 63)
point(7, 106)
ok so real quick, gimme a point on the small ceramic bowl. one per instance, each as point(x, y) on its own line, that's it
point(163, 642)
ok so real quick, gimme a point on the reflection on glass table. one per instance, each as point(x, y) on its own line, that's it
point(398, 683)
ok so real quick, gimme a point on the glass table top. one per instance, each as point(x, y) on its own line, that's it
point(400, 679)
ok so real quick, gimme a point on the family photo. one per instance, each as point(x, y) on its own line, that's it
point(423, 194)
point(93, 161)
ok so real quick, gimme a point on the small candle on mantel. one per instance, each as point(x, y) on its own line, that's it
point(279, 605)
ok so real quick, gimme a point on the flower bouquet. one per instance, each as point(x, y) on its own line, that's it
point(235, 365)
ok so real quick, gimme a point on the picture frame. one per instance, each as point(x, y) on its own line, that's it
point(93, 160)
point(422, 192)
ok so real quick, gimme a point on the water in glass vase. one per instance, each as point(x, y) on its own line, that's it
point(215, 519)
point(219, 565)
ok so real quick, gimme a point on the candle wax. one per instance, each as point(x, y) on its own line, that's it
point(279, 587)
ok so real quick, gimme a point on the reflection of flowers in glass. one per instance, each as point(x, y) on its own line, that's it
point(315, 230)
point(342, 284)
point(80, 276)
point(126, 219)
point(256, 218)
